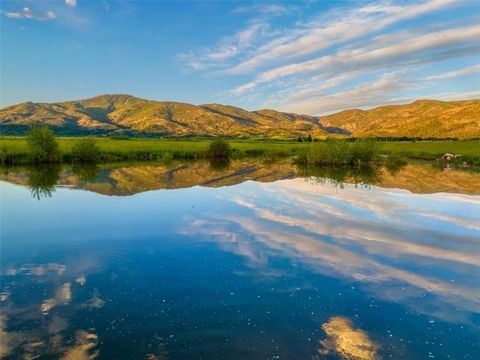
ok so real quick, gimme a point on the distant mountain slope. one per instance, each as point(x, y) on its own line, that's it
point(116, 114)
point(124, 113)
point(422, 118)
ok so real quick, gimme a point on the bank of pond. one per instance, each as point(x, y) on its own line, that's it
point(41, 146)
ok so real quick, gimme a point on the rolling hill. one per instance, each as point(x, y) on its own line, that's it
point(125, 114)
point(113, 114)
point(422, 118)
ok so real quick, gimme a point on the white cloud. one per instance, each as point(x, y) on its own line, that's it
point(27, 13)
point(71, 3)
point(226, 48)
point(269, 9)
point(452, 74)
point(468, 95)
point(13, 15)
point(400, 52)
point(367, 94)
point(320, 34)
point(306, 38)
point(306, 94)
point(244, 88)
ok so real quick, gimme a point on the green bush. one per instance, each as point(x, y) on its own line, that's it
point(335, 152)
point(364, 151)
point(218, 149)
point(86, 151)
point(42, 145)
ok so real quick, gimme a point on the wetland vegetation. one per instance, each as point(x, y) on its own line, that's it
point(15, 150)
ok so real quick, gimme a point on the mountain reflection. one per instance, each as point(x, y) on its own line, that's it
point(129, 179)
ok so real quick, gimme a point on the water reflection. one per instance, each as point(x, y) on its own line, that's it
point(286, 269)
point(346, 341)
point(129, 179)
point(395, 163)
point(219, 164)
point(339, 175)
point(42, 179)
point(39, 328)
point(400, 246)
point(86, 172)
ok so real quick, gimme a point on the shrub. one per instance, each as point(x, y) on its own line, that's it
point(335, 152)
point(218, 149)
point(86, 151)
point(42, 145)
point(364, 151)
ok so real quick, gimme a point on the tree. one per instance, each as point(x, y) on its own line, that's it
point(42, 145)
point(299, 139)
point(309, 138)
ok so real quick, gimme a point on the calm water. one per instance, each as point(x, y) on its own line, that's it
point(250, 261)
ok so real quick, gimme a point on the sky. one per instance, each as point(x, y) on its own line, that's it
point(310, 57)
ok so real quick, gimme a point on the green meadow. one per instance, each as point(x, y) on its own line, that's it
point(15, 149)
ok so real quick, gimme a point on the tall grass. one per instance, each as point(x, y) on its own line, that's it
point(341, 152)
point(218, 149)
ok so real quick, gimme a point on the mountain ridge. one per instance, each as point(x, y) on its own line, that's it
point(111, 114)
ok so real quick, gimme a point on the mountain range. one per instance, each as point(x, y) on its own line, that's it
point(124, 114)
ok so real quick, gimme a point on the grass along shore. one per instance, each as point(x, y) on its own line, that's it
point(14, 150)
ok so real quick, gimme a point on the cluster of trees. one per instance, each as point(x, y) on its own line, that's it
point(43, 147)
point(307, 139)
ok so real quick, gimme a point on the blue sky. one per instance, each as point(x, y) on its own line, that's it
point(312, 57)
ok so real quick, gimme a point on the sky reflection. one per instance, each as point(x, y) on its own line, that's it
point(399, 245)
point(290, 269)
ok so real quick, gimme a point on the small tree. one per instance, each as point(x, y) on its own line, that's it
point(86, 151)
point(42, 145)
point(218, 149)
point(299, 139)
point(309, 138)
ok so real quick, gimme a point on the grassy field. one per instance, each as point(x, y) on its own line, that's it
point(469, 150)
point(151, 149)
point(15, 149)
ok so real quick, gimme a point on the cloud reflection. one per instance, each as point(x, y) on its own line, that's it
point(47, 336)
point(387, 239)
point(346, 341)
point(63, 296)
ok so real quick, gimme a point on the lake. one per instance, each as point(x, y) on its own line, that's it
point(245, 260)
